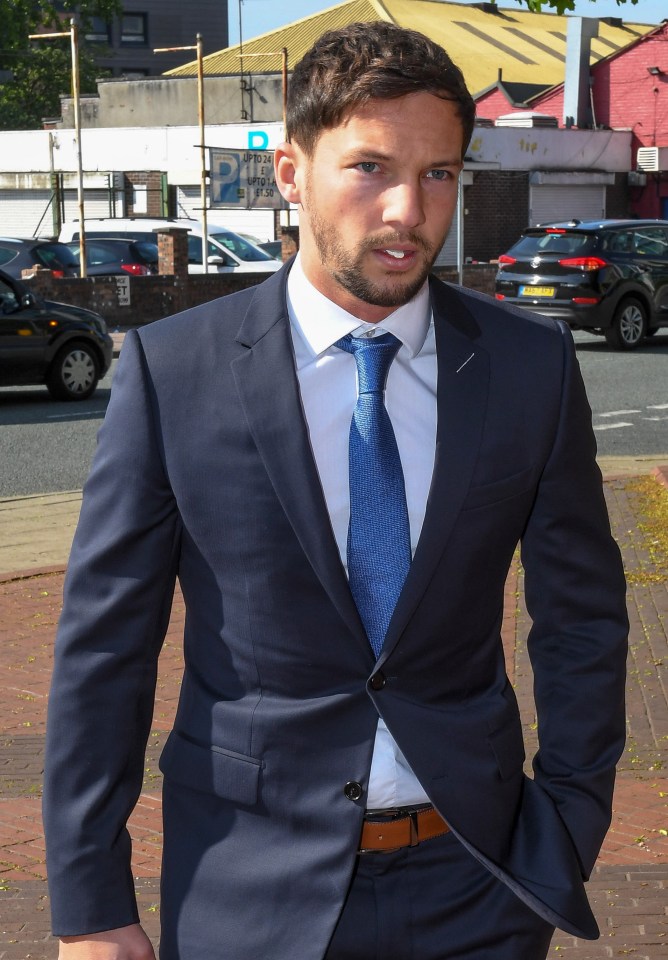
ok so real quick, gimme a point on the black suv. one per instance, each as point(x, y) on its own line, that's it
point(606, 276)
point(65, 347)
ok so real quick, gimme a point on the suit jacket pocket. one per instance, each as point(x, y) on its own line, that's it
point(498, 490)
point(211, 769)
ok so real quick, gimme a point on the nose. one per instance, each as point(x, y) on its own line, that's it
point(404, 207)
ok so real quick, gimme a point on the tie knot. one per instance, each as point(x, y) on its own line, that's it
point(373, 356)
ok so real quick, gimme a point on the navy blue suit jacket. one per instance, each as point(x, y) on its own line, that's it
point(204, 472)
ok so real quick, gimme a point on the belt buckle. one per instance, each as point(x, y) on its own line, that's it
point(413, 826)
point(400, 813)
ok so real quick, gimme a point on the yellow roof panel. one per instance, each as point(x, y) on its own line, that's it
point(527, 47)
point(298, 37)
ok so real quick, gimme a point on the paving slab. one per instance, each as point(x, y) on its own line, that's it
point(629, 887)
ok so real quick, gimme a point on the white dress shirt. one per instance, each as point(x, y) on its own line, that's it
point(328, 384)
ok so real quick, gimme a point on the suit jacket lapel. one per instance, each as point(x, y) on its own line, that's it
point(267, 383)
point(463, 383)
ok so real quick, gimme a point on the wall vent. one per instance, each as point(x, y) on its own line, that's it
point(652, 159)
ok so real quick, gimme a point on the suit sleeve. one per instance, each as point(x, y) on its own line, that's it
point(117, 600)
point(575, 595)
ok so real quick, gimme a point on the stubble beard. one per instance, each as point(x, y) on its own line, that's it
point(347, 267)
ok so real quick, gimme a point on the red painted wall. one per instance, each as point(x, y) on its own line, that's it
point(625, 96)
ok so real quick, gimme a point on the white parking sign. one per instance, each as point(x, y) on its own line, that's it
point(243, 179)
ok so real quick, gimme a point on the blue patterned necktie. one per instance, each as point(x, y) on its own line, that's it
point(379, 547)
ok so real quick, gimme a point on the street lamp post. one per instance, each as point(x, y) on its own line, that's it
point(199, 48)
point(73, 34)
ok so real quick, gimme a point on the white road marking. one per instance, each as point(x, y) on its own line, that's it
point(655, 419)
point(619, 413)
point(657, 406)
point(73, 416)
point(611, 426)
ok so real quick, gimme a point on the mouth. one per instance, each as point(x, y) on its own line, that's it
point(396, 258)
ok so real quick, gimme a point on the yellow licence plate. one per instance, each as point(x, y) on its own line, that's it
point(537, 291)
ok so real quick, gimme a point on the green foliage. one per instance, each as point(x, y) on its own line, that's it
point(559, 6)
point(34, 73)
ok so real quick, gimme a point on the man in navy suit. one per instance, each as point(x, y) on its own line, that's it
point(344, 779)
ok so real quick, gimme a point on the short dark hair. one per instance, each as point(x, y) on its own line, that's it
point(346, 68)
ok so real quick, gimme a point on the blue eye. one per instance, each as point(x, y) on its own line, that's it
point(438, 174)
point(368, 166)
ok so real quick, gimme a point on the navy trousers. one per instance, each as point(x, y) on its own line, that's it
point(434, 902)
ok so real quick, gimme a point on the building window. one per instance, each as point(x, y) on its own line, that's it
point(134, 32)
point(99, 31)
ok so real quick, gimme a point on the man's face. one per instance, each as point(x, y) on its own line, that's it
point(376, 201)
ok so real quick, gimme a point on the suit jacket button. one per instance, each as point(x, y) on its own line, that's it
point(353, 790)
point(377, 681)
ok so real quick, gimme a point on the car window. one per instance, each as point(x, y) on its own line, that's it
point(242, 248)
point(98, 253)
point(650, 242)
point(7, 255)
point(553, 242)
point(8, 301)
point(145, 250)
point(55, 256)
point(621, 241)
point(195, 252)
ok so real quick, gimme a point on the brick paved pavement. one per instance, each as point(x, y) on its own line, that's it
point(629, 888)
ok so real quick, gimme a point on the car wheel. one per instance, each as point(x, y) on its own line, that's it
point(74, 373)
point(629, 325)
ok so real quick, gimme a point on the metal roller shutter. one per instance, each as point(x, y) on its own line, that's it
point(448, 255)
point(21, 212)
point(97, 203)
point(550, 202)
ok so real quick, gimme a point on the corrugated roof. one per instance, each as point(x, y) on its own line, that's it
point(298, 37)
point(525, 45)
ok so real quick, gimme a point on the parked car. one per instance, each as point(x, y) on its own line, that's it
point(17, 254)
point(227, 252)
point(273, 247)
point(114, 256)
point(606, 276)
point(64, 347)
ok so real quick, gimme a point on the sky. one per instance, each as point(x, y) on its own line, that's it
point(261, 16)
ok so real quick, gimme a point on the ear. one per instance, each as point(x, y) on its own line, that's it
point(288, 163)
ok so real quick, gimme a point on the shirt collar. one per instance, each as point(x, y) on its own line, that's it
point(321, 322)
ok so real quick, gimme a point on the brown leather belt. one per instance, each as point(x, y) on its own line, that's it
point(401, 828)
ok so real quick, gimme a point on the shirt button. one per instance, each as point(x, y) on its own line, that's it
point(378, 680)
point(353, 790)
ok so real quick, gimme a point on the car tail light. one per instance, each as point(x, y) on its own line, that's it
point(500, 296)
point(505, 260)
point(586, 300)
point(584, 263)
point(136, 269)
point(58, 274)
point(555, 230)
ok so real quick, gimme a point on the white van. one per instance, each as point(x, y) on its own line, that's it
point(227, 251)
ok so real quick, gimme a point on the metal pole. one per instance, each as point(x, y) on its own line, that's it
point(200, 102)
point(460, 230)
point(284, 53)
point(74, 33)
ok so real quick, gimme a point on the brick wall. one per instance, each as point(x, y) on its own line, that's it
point(497, 205)
point(617, 203)
point(152, 180)
point(159, 296)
